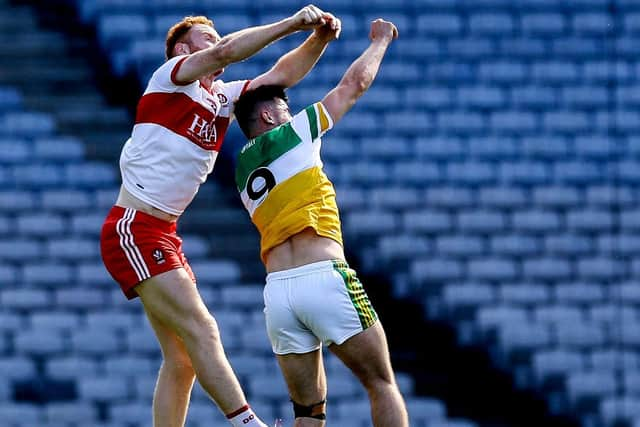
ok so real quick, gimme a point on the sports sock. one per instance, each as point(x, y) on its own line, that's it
point(245, 417)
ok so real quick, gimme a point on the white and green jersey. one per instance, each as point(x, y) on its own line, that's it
point(280, 179)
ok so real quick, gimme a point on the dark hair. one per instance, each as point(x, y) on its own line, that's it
point(248, 102)
point(178, 31)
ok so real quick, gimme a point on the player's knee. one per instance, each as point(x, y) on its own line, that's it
point(179, 367)
point(203, 328)
point(315, 410)
point(379, 383)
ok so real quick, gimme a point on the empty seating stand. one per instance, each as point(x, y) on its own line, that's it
point(492, 167)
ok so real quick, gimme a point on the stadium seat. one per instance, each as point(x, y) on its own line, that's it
point(71, 367)
point(64, 412)
point(15, 413)
point(589, 385)
point(17, 368)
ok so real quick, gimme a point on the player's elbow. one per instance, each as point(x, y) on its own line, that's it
point(355, 86)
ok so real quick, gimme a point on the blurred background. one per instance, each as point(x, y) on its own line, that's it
point(488, 184)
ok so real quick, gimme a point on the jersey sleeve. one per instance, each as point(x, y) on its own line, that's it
point(232, 91)
point(314, 121)
point(164, 78)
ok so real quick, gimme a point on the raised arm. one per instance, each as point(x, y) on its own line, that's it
point(242, 44)
point(362, 71)
point(294, 65)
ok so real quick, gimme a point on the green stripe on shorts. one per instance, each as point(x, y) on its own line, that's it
point(357, 294)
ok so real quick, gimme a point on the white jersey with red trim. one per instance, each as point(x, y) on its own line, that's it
point(176, 137)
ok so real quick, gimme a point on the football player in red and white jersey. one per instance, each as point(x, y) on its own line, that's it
point(180, 124)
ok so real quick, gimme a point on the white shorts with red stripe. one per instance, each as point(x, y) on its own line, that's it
point(136, 246)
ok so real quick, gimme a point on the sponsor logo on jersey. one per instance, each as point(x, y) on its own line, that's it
point(158, 256)
point(202, 130)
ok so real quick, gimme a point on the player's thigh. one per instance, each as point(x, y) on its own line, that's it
point(305, 376)
point(367, 355)
point(173, 298)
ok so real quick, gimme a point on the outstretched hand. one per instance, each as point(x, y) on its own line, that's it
point(330, 30)
point(309, 17)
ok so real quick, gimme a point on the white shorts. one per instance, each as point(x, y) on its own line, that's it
point(322, 302)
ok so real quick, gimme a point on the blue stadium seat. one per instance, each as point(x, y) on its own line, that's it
point(558, 314)
point(17, 200)
point(607, 196)
point(103, 388)
point(591, 384)
point(427, 97)
point(50, 273)
point(130, 366)
point(414, 173)
point(268, 386)
point(546, 24)
point(600, 268)
point(489, 318)
point(26, 299)
point(523, 337)
point(64, 412)
point(524, 293)
point(15, 151)
point(16, 413)
point(536, 221)
point(546, 268)
point(611, 359)
point(592, 23)
point(579, 335)
point(451, 197)
point(459, 245)
point(619, 409)
point(10, 98)
point(470, 48)
point(471, 294)
point(93, 274)
point(568, 244)
point(470, 173)
point(17, 368)
point(8, 274)
point(371, 222)
point(95, 342)
point(435, 269)
point(427, 221)
point(579, 293)
point(71, 367)
point(492, 269)
point(215, 271)
point(141, 341)
point(80, 298)
point(481, 221)
point(524, 173)
point(556, 197)
point(41, 224)
point(61, 149)
point(66, 200)
point(395, 198)
point(439, 24)
point(90, 175)
point(552, 363)
point(133, 412)
point(502, 72)
point(515, 245)
point(555, 72)
point(26, 124)
point(38, 342)
point(55, 320)
point(38, 176)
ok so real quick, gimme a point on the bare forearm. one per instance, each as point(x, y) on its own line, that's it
point(244, 43)
point(363, 70)
point(292, 67)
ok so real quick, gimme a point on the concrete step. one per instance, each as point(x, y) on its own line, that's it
point(15, 18)
point(53, 74)
point(64, 102)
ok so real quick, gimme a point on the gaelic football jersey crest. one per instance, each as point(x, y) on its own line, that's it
point(280, 179)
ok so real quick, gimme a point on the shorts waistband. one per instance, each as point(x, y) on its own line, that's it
point(314, 267)
point(119, 211)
